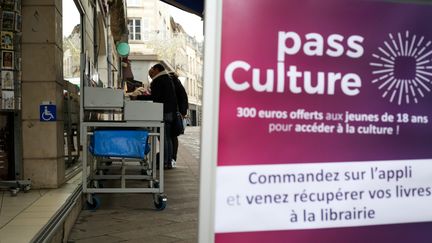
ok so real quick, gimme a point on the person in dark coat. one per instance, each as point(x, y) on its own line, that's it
point(183, 106)
point(162, 91)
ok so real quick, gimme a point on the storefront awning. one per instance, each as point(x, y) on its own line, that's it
point(191, 6)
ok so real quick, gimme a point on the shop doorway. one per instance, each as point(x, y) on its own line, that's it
point(72, 48)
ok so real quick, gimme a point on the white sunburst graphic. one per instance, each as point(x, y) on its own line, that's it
point(403, 68)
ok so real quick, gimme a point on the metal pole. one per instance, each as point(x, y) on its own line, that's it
point(109, 57)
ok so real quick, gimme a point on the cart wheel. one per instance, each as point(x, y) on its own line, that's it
point(160, 202)
point(27, 188)
point(95, 205)
point(14, 192)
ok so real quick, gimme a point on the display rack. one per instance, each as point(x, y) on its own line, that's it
point(10, 98)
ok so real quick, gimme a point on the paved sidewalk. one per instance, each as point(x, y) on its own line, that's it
point(133, 218)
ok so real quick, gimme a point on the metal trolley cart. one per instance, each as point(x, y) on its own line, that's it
point(119, 166)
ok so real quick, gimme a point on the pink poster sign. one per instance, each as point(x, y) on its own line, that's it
point(325, 130)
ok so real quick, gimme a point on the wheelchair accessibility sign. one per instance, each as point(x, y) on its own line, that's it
point(47, 113)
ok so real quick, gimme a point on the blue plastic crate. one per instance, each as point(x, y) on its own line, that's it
point(119, 143)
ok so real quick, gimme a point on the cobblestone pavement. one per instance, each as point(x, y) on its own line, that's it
point(132, 217)
point(191, 140)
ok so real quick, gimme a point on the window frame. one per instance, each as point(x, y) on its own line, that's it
point(133, 28)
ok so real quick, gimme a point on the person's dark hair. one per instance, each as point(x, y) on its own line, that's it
point(159, 67)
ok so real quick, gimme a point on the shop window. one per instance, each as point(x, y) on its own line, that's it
point(10, 89)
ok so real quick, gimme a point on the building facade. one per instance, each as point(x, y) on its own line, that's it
point(155, 37)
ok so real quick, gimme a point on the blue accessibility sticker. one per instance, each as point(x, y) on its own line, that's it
point(47, 113)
